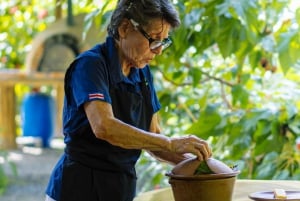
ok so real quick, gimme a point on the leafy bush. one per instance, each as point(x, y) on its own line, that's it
point(5, 166)
point(231, 77)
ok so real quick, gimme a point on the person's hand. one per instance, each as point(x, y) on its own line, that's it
point(191, 144)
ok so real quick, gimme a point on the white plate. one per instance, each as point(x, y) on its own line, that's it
point(269, 196)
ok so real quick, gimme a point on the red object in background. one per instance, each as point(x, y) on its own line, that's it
point(298, 143)
point(42, 14)
point(13, 10)
point(4, 59)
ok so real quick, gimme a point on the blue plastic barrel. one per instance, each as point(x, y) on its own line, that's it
point(38, 115)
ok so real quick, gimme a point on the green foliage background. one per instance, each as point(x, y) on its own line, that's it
point(231, 77)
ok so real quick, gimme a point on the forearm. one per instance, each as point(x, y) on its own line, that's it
point(126, 136)
point(169, 157)
point(106, 127)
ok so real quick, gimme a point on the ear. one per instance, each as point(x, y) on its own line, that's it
point(124, 28)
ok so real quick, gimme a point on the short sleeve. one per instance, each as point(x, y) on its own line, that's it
point(90, 80)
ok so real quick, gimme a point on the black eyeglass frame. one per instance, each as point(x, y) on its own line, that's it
point(153, 43)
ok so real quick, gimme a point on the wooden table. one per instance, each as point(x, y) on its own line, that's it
point(241, 190)
point(8, 81)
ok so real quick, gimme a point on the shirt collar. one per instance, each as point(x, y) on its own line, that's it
point(115, 65)
point(133, 76)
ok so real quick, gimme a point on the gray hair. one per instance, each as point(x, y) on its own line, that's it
point(142, 11)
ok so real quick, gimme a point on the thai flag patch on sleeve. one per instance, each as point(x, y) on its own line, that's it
point(96, 96)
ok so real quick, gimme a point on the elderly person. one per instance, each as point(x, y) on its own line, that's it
point(110, 109)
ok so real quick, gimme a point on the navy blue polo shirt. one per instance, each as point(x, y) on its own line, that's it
point(92, 76)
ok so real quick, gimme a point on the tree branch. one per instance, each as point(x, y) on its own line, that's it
point(188, 111)
point(217, 79)
point(209, 77)
point(223, 95)
point(172, 82)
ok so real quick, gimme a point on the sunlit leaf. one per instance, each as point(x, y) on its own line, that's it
point(266, 169)
point(208, 120)
point(240, 95)
point(196, 75)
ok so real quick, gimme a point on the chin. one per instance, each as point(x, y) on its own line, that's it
point(141, 65)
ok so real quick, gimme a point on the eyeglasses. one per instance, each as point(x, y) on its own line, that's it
point(153, 43)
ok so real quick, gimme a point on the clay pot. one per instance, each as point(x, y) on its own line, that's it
point(215, 186)
point(208, 187)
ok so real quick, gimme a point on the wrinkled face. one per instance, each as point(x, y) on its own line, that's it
point(134, 45)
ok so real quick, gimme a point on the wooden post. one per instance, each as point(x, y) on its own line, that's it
point(7, 117)
point(58, 9)
point(59, 110)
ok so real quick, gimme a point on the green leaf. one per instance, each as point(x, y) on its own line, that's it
point(228, 35)
point(192, 17)
point(88, 21)
point(262, 131)
point(203, 169)
point(284, 50)
point(196, 74)
point(165, 98)
point(266, 169)
point(252, 117)
point(298, 15)
point(281, 175)
point(3, 180)
point(240, 95)
point(207, 122)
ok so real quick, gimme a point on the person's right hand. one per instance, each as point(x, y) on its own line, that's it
point(191, 144)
